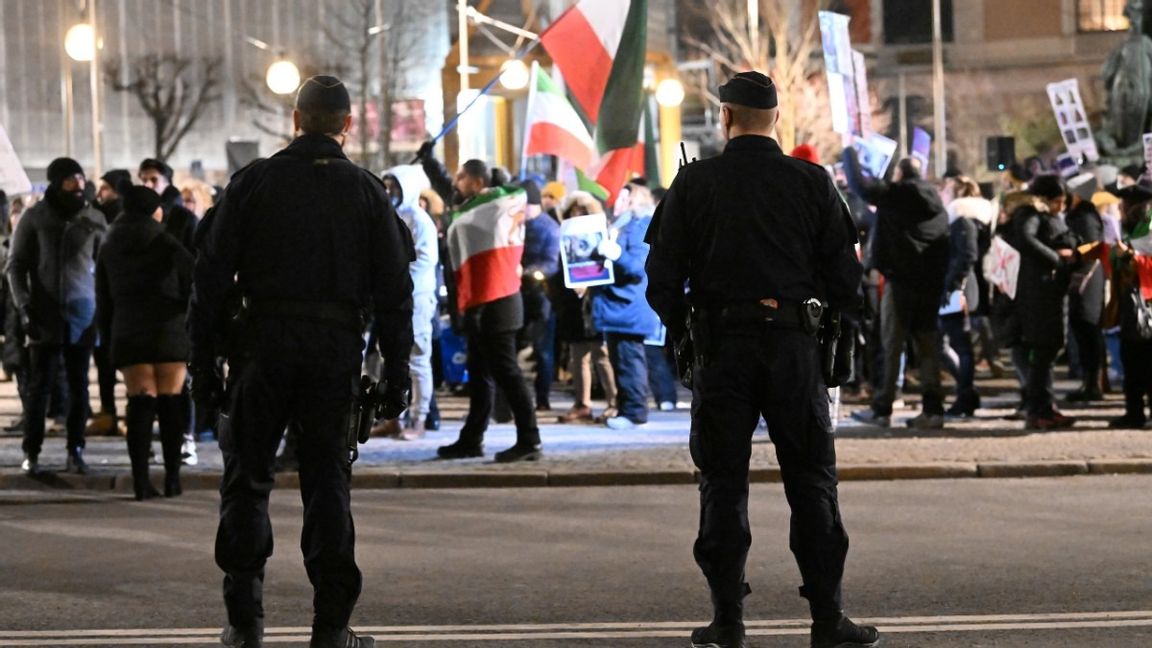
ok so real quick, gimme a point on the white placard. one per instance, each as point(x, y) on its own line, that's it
point(840, 68)
point(863, 99)
point(1073, 120)
point(1148, 155)
point(1002, 267)
point(580, 238)
point(13, 179)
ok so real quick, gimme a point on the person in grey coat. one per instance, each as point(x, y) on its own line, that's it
point(51, 275)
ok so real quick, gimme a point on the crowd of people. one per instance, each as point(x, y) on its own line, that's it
point(100, 273)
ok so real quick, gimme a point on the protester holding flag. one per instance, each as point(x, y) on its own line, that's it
point(485, 247)
point(1129, 263)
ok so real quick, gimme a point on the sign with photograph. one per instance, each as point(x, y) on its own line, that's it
point(840, 67)
point(922, 148)
point(1073, 120)
point(580, 237)
point(13, 179)
point(875, 154)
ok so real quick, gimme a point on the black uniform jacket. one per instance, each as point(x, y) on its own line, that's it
point(306, 226)
point(748, 225)
point(143, 280)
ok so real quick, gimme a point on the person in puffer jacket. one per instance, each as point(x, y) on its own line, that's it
point(621, 310)
point(405, 184)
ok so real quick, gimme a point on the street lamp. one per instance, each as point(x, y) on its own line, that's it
point(514, 74)
point(283, 77)
point(80, 43)
point(670, 93)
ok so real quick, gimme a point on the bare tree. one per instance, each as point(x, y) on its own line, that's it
point(783, 45)
point(353, 30)
point(271, 112)
point(174, 92)
point(400, 38)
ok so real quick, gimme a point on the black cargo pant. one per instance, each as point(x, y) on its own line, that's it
point(774, 373)
point(45, 362)
point(492, 363)
point(265, 396)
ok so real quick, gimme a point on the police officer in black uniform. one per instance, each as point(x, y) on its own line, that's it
point(311, 243)
point(758, 237)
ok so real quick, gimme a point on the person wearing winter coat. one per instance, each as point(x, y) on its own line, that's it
point(621, 310)
point(143, 282)
point(405, 185)
point(574, 327)
point(541, 262)
point(910, 249)
point(966, 214)
point(1086, 291)
point(1047, 256)
point(50, 274)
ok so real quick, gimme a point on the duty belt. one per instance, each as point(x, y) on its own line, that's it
point(341, 314)
point(771, 312)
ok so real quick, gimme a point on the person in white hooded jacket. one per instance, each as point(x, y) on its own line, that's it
point(404, 185)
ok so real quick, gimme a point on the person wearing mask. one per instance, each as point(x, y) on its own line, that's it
point(486, 304)
point(574, 327)
point(1086, 289)
point(50, 273)
point(909, 246)
point(1047, 255)
point(541, 263)
point(296, 357)
point(621, 312)
point(966, 214)
point(1130, 268)
point(405, 184)
point(143, 282)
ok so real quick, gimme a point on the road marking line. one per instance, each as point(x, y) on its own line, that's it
point(611, 630)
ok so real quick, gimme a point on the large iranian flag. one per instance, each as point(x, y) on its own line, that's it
point(485, 245)
point(553, 127)
point(600, 47)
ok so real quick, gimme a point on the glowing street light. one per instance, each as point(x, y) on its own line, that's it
point(80, 42)
point(670, 93)
point(283, 77)
point(514, 75)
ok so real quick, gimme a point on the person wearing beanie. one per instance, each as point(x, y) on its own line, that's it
point(50, 274)
point(756, 234)
point(541, 262)
point(313, 246)
point(806, 152)
point(1086, 304)
point(1047, 258)
point(143, 282)
point(551, 196)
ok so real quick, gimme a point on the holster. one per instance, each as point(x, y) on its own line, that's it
point(837, 349)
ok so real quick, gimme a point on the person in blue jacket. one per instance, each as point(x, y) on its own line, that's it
point(621, 310)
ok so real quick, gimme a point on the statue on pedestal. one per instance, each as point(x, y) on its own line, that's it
point(1128, 83)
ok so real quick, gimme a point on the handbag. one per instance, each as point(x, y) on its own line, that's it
point(1143, 314)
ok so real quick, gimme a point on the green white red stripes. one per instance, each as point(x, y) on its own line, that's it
point(486, 245)
point(553, 126)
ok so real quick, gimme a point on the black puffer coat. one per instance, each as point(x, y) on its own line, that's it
point(143, 282)
point(1044, 276)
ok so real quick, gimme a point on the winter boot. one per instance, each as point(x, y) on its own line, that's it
point(141, 413)
point(173, 414)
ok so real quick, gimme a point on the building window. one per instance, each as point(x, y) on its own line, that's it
point(1101, 15)
point(909, 22)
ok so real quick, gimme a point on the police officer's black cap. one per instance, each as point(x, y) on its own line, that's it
point(323, 94)
point(751, 89)
point(139, 199)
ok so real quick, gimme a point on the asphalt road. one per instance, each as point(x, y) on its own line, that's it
point(1005, 563)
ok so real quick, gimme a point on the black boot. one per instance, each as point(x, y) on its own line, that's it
point(138, 419)
point(727, 627)
point(717, 636)
point(173, 414)
point(842, 633)
point(339, 639)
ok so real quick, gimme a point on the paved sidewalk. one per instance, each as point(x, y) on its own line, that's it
point(986, 446)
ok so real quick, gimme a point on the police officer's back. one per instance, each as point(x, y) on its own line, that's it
point(764, 243)
point(310, 243)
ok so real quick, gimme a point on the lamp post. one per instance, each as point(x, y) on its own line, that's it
point(81, 43)
point(938, 96)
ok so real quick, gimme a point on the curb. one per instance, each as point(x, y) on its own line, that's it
point(373, 479)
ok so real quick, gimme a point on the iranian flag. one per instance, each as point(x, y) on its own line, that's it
point(485, 245)
point(553, 126)
point(600, 46)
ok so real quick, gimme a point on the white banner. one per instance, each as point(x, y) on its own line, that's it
point(1002, 267)
point(13, 179)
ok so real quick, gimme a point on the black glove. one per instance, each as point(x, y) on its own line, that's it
point(425, 150)
point(395, 398)
point(208, 387)
point(26, 317)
